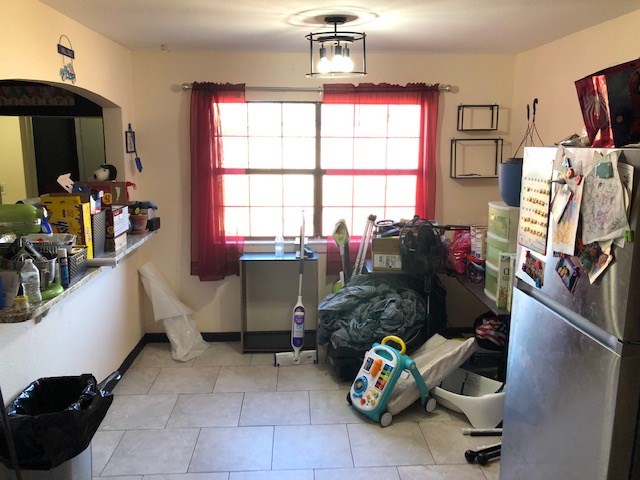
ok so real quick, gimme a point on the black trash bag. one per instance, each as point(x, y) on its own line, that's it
point(53, 420)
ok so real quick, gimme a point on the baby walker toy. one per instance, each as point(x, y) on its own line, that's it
point(380, 370)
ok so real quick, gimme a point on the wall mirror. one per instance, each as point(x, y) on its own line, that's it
point(46, 131)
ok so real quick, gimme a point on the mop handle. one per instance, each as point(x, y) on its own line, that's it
point(301, 270)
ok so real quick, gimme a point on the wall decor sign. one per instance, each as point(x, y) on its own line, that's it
point(66, 72)
point(130, 144)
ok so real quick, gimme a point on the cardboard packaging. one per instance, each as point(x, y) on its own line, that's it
point(117, 219)
point(478, 241)
point(115, 193)
point(386, 254)
point(115, 244)
point(506, 270)
point(70, 213)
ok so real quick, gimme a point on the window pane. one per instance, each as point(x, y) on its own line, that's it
point(337, 153)
point(399, 213)
point(265, 152)
point(265, 190)
point(371, 121)
point(235, 152)
point(299, 120)
point(236, 221)
point(401, 191)
point(277, 135)
point(297, 190)
point(331, 215)
point(404, 121)
point(337, 120)
point(293, 221)
point(360, 216)
point(233, 118)
point(265, 119)
point(369, 153)
point(236, 190)
point(299, 152)
point(265, 221)
point(369, 190)
point(337, 191)
point(403, 153)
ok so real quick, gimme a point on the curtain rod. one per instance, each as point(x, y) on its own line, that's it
point(187, 86)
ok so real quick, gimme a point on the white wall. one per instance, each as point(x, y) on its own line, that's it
point(549, 72)
point(11, 162)
point(163, 143)
point(95, 328)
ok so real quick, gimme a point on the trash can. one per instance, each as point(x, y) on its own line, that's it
point(51, 424)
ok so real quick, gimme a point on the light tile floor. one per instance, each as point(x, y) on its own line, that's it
point(231, 416)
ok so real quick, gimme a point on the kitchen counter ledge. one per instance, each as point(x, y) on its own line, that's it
point(96, 267)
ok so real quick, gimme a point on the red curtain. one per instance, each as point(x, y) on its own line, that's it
point(413, 93)
point(214, 255)
point(427, 96)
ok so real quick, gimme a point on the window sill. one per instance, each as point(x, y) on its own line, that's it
point(96, 267)
point(267, 246)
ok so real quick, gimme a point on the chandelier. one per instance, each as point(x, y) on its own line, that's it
point(337, 53)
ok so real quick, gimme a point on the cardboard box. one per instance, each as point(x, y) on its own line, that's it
point(117, 219)
point(478, 241)
point(386, 254)
point(115, 193)
point(115, 244)
point(506, 270)
point(70, 213)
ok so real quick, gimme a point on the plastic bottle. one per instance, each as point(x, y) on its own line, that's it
point(279, 247)
point(63, 263)
point(30, 280)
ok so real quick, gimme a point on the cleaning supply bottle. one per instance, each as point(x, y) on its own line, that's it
point(30, 280)
point(63, 264)
point(279, 247)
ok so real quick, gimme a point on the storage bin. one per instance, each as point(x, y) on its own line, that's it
point(495, 245)
point(479, 398)
point(491, 280)
point(503, 220)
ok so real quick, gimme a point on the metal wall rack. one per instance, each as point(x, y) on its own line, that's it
point(478, 118)
point(460, 147)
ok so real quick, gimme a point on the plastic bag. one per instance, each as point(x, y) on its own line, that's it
point(54, 420)
point(186, 341)
point(458, 250)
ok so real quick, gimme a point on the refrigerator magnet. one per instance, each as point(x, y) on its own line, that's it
point(569, 272)
point(534, 268)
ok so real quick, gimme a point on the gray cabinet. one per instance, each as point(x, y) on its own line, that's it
point(269, 292)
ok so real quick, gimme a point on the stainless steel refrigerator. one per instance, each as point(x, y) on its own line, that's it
point(573, 371)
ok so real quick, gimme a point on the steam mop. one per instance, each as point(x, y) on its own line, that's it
point(297, 323)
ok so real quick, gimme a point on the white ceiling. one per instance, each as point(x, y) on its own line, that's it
point(429, 26)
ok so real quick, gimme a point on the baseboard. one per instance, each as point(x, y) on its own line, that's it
point(162, 338)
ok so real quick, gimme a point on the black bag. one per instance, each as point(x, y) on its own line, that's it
point(53, 420)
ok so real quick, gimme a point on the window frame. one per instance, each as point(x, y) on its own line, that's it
point(318, 173)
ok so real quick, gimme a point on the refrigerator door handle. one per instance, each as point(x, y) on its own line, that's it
point(607, 340)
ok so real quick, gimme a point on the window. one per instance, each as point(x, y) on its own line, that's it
point(331, 160)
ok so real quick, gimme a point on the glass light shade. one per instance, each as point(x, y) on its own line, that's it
point(347, 63)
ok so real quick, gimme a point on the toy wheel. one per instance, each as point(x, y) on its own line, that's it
point(470, 455)
point(385, 419)
point(431, 405)
point(482, 459)
point(349, 398)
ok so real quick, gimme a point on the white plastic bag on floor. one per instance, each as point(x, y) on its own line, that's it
point(186, 341)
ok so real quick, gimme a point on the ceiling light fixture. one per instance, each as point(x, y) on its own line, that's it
point(332, 54)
